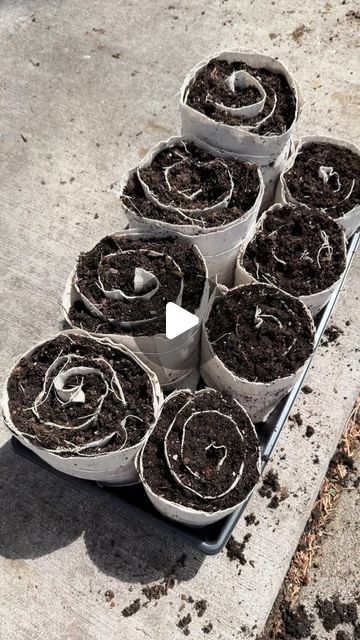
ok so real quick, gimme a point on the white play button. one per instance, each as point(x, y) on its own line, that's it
point(178, 320)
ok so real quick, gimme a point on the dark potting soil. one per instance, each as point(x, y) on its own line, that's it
point(199, 171)
point(235, 550)
point(270, 484)
point(274, 502)
point(297, 623)
point(250, 322)
point(210, 82)
point(132, 608)
point(297, 419)
point(306, 389)
point(291, 251)
point(306, 184)
point(250, 519)
point(109, 595)
point(200, 607)
point(184, 622)
point(160, 589)
point(155, 467)
point(27, 380)
point(309, 431)
point(334, 612)
point(120, 273)
point(342, 458)
point(331, 335)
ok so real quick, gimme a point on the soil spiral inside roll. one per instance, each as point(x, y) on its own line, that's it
point(203, 452)
point(260, 333)
point(297, 249)
point(210, 88)
point(76, 396)
point(112, 300)
point(189, 186)
point(325, 176)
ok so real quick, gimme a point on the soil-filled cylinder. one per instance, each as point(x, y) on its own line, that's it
point(299, 249)
point(256, 342)
point(120, 289)
point(324, 172)
point(83, 405)
point(202, 460)
point(211, 201)
point(246, 103)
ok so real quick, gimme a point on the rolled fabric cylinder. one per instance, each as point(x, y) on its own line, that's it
point(245, 103)
point(298, 249)
point(83, 405)
point(256, 342)
point(120, 289)
point(202, 460)
point(211, 201)
point(324, 172)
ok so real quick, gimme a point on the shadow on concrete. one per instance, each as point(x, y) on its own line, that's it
point(41, 513)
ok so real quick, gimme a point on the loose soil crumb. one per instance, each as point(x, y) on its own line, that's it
point(270, 484)
point(274, 502)
point(334, 612)
point(235, 550)
point(297, 419)
point(207, 628)
point(183, 624)
point(250, 519)
point(131, 609)
point(342, 635)
point(109, 595)
point(332, 334)
point(353, 14)
point(306, 389)
point(299, 32)
point(297, 623)
point(309, 431)
point(200, 607)
point(158, 590)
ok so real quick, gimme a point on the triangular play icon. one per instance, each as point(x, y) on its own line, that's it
point(178, 320)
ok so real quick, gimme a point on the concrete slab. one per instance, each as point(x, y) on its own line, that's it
point(85, 91)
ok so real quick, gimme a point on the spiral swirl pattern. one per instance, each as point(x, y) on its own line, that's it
point(124, 283)
point(249, 322)
point(297, 249)
point(76, 396)
point(235, 93)
point(206, 449)
point(325, 176)
point(181, 184)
